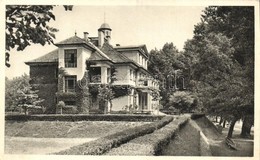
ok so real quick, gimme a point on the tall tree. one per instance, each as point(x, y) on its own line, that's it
point(163, 63)
point(225, 76)
point(11, 94)
point(238, 24)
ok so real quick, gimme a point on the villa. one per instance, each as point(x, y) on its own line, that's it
point(73, 72)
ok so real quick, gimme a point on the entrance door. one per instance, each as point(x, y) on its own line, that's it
point(143, 101)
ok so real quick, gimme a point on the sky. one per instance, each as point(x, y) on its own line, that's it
point(131, 25)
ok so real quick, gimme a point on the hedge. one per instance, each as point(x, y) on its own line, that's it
point(67, 110)
point(85, 117)
point(151, 144)
point(104, 144)
point(197, 115)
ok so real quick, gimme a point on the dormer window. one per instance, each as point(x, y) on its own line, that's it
point(70, 58)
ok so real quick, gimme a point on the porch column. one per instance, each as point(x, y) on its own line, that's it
point(149, 100)
point(103, 74)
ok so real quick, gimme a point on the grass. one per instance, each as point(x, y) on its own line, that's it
point(104, 144)
point(28, 145)
point(185, 143)
point(62, 129)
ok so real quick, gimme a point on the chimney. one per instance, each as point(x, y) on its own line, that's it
point(86, 36)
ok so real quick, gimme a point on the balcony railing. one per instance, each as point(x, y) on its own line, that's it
point(146, 84)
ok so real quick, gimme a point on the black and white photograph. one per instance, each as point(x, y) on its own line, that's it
point(130, 79)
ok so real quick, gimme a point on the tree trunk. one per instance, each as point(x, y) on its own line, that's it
point(231, 128)
point(221, 120)
point(111, 105)
point(224, 123)
point(246, 127)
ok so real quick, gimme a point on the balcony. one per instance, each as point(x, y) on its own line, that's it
point(147, 83)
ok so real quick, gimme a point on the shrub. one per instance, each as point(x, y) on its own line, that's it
point(59, 107)
point(36, 110)
point(183, 101)
point(106, 143)
point(119, 112)
point(70, 110)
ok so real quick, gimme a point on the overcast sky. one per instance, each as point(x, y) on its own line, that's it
point(131, 25)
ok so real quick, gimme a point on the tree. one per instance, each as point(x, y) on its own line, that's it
point(28, 99)
point(105, 94)
point(237, 23)
point(28, 24)
point(221, 58)
point(184, 101)
point(163, 63)
point(11, 94)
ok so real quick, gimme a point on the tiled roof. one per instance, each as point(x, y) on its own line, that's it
point(49, 57)
point(142, 48)
point(130, 46)
point(115, 56)
point(72, 40)
point(99, 55)
point(96, 56)
point(106, 52)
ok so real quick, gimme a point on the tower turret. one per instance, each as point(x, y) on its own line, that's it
point(104, 34)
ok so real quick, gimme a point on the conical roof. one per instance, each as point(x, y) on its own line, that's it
point(104, 26)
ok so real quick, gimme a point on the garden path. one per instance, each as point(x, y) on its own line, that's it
point(29, 145)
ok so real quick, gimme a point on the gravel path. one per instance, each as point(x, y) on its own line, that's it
point(28, 145)
point(218, 147)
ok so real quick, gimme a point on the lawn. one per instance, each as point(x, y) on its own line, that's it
point(61, 129)
point(45, 137)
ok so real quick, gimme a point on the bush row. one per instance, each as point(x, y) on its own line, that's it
point(106, 143)
point(151, 144)
point(85, 117)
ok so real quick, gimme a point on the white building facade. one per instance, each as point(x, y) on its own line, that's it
point(124, 68)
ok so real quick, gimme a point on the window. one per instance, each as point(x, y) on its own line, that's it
point(70, 58)
point(70, 83)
